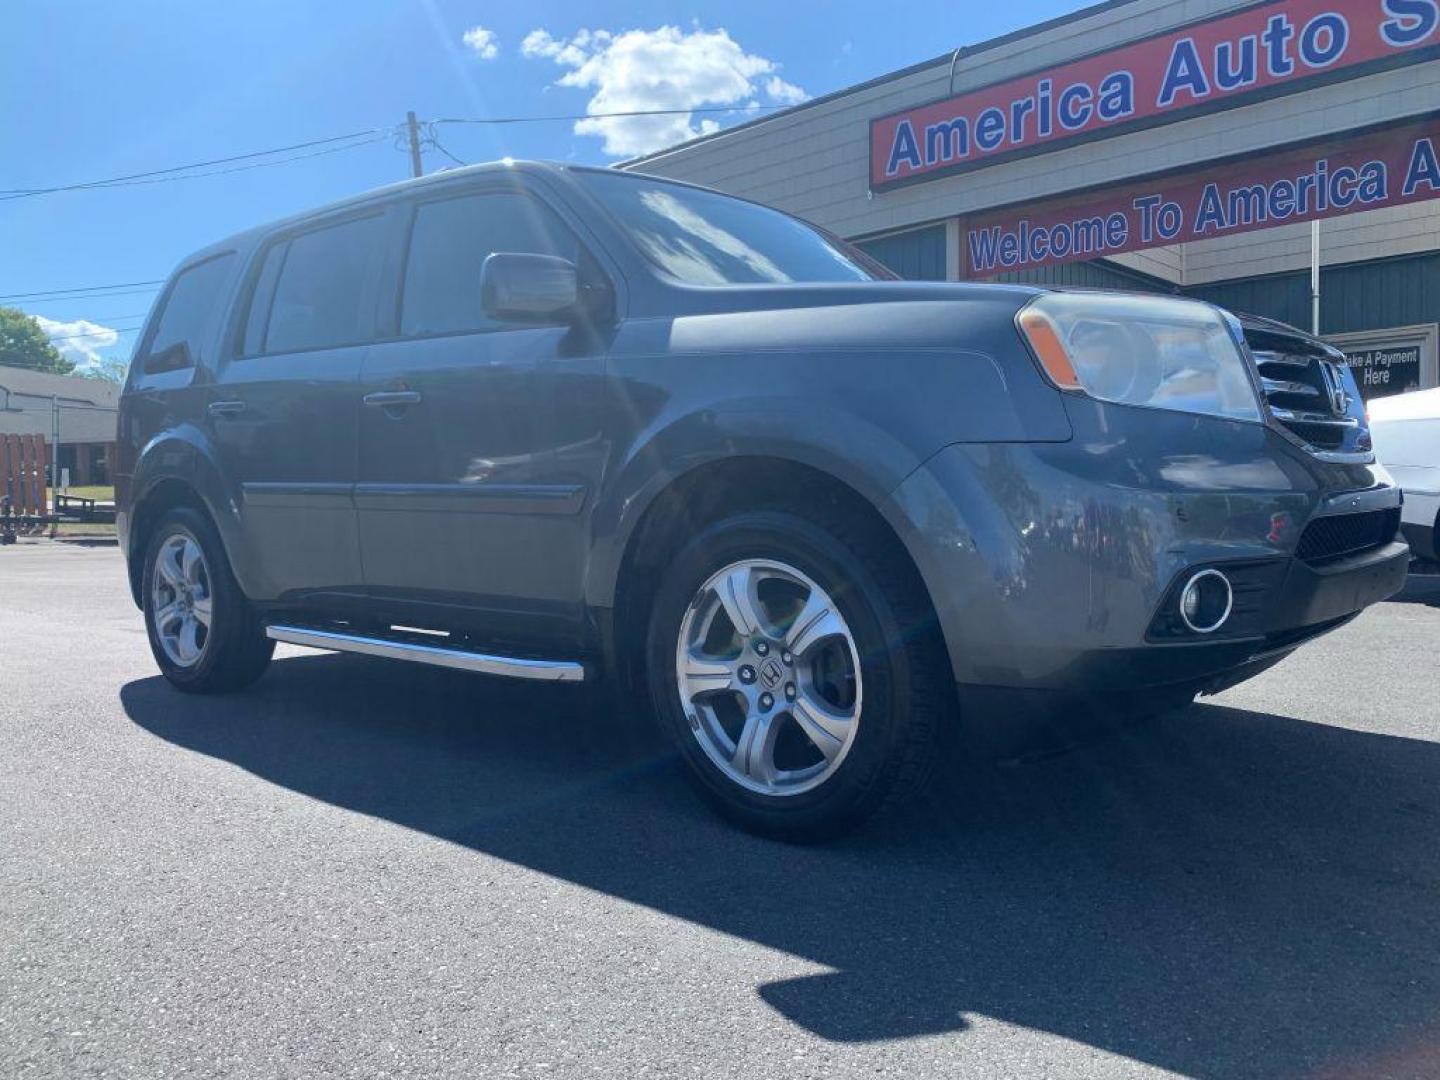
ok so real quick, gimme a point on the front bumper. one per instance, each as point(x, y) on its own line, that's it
point(1307, 602)
point(1312, 595)
point(1048, 564)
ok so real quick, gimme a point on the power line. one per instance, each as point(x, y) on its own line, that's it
point(441, 147)
point(80, 289)
point(94, 296)
point(19, 193)
point(97, 333)
point(220, 172)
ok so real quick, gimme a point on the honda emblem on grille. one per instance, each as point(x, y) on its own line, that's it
point(1335, 387)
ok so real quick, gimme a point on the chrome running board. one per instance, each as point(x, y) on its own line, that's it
point(510, 666)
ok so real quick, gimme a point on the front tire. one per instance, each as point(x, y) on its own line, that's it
point(795, 665)
point(203, 633)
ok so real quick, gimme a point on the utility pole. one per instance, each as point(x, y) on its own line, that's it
point(416, 169)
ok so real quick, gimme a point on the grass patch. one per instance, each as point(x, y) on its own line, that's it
point(98, 492)
point(78, 528)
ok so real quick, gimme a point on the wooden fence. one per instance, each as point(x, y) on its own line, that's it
point(22, 474)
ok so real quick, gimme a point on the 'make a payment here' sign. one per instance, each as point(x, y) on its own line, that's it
point(1263, 50)
point(1385, 371)
point(1382, 167)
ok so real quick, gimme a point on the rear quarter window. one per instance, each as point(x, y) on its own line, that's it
point(189, 302)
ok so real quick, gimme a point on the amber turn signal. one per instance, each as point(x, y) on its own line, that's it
point(1045, 343)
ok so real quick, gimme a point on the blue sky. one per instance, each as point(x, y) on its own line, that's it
point(104, 89)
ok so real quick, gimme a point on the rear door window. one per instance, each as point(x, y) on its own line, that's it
point(449, 243)
point(324, 292)
point(190, 301)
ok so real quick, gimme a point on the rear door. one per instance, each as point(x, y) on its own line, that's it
point(284, 408)
point(481, 443)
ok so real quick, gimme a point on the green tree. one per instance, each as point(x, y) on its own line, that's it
point(24, 344)
point(107, 369)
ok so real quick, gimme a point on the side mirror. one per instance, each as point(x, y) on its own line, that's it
point(171, 358)
point(523, 288)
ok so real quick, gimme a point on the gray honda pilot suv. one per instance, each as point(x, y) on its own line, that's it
point(562, 423)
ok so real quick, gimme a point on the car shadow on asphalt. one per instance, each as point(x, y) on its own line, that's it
point(1217, 892)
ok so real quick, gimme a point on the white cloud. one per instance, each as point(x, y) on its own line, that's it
point(482, 42)
point(571, 53)
point(665, 68)
point(80, 340)
point(784, 92)
point(539, 43)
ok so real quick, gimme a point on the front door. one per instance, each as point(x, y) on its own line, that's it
point(284, 410)
point(481, 443)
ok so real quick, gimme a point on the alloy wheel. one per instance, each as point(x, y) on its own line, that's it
point(181, 600)
point(769, 677)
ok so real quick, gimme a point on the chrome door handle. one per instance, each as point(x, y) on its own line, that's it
point(226, 408)
point(390, 399)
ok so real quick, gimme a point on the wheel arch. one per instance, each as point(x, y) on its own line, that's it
point(835, 444)
point(685, 502)
point(175, 470)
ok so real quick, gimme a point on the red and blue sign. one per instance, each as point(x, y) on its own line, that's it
point(1268, 49)
point(1389, 166)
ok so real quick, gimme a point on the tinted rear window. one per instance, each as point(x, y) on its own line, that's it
point(323, 294)
point(450, 242)
point(190, 301)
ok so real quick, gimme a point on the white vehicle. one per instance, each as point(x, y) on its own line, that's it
point(1406, 429)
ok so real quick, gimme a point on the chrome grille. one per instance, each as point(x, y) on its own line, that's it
point(1302, 385)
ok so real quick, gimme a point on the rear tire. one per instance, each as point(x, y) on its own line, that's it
point(855, 711)
point(203, 632)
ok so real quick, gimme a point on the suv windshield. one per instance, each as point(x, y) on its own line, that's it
point(701, 238)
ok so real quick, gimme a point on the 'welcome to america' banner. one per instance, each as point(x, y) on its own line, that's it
point(1381, 167)
point(1264, 50)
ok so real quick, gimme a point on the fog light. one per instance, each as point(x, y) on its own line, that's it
point(1205, 601)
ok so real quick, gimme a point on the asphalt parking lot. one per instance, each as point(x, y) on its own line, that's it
point(365, 869)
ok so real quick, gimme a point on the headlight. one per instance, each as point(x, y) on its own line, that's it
point(1154, 351)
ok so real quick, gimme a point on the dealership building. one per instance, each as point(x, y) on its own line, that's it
point(1216, 149)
